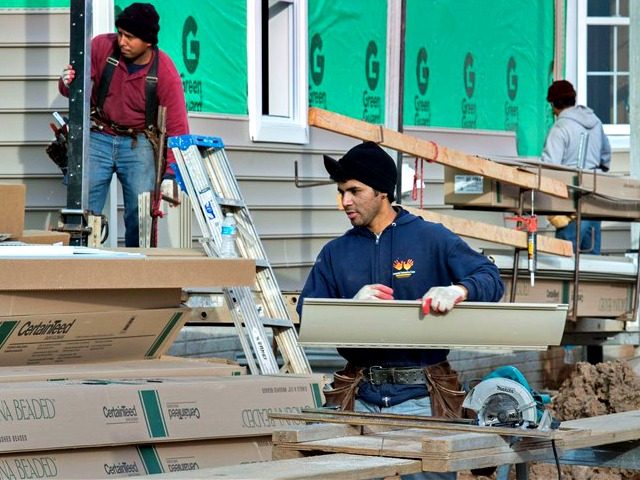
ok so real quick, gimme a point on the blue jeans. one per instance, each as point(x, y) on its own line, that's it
point(135, 169)
point(590, 235)
point(416, 406)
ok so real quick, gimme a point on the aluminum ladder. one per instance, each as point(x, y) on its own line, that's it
point(205, 174)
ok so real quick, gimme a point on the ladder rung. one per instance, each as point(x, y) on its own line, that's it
point(261, 263)
point(276, 322)
point(230, 202)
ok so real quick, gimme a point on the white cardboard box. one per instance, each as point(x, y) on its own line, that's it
point(134, 461)
point(70, 414)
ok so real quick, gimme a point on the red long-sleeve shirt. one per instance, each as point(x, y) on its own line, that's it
point(125, 101)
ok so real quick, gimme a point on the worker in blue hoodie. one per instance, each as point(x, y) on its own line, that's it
point(576, 140)
point(391, 254)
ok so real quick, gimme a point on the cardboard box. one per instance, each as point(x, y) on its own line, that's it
point(44, 237)
point(33, 302)
point(595, 299)
point(69, 414)
point(88, 337)
point(124, 273)
point(469, 190)
point(163, 367)
point(12, 209)
point(132, 461)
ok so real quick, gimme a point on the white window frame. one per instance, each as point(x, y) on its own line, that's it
point(622, 131)
point(264, 128)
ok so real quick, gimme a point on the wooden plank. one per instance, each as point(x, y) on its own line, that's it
point(320, 467)
point(494, 233)
point(433, 152)
point(604, 429)
point(387, 446)
point(444, 443)
point(397, 421)
point(480, 461)
point(316, 431)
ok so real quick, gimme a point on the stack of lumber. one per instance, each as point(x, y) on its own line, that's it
point(360, 445)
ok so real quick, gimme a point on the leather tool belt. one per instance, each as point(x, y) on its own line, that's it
point(396, 375)
point(112, 128)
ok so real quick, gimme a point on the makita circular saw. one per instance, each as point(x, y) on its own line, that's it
point(503, 398)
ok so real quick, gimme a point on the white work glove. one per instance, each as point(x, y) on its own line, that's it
point(68, 74)
point(376, 291)
point(443, 299)
point(168, 191)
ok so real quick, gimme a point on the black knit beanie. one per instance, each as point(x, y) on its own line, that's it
point(367, 163)
point(141, 20)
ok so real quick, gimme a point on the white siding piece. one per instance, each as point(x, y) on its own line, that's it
point(401, 324)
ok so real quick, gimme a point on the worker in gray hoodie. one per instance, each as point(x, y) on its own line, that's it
point(576, 140)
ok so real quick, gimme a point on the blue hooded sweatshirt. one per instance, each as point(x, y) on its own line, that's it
point(410, 256)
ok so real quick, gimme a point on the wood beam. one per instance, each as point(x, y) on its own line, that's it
point(493, 233)
point(434, 152)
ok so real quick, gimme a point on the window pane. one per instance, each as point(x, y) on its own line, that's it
point(601, 8)
point(623, 99)
point(600, 96)
point(623, 48)
point(599, 51)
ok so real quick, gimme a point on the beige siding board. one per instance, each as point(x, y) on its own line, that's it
point(31, 95)
point(35, 27)
point(38, 61)
point(26, 160)
point(18, 128)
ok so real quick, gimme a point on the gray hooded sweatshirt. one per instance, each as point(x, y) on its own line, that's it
point(563, 141)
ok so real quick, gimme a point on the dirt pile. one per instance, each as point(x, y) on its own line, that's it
point(608, 387)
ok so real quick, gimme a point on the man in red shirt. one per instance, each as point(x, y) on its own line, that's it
point(118, 141)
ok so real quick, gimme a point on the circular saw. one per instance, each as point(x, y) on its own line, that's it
point(502, 402)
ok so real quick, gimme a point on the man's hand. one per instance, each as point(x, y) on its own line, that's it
point(443, 299)
point(169, 191)
point(68, 74)
point(377, 291)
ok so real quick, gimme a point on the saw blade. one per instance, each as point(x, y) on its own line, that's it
point(500, 409)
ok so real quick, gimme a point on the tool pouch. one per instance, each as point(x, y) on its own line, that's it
point(344, 388)
point(57, 151)
point(445, 391)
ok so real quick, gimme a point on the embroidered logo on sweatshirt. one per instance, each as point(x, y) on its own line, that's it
point(402, 268)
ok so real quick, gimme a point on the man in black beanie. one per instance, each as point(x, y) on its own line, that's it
point(390, 254)
point(131, 77)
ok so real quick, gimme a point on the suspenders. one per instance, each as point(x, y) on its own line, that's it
point(151, 85)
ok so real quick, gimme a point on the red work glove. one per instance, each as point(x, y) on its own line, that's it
point(443, 299)
point(377, 291)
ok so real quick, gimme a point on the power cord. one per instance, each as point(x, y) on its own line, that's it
point(555, 457)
